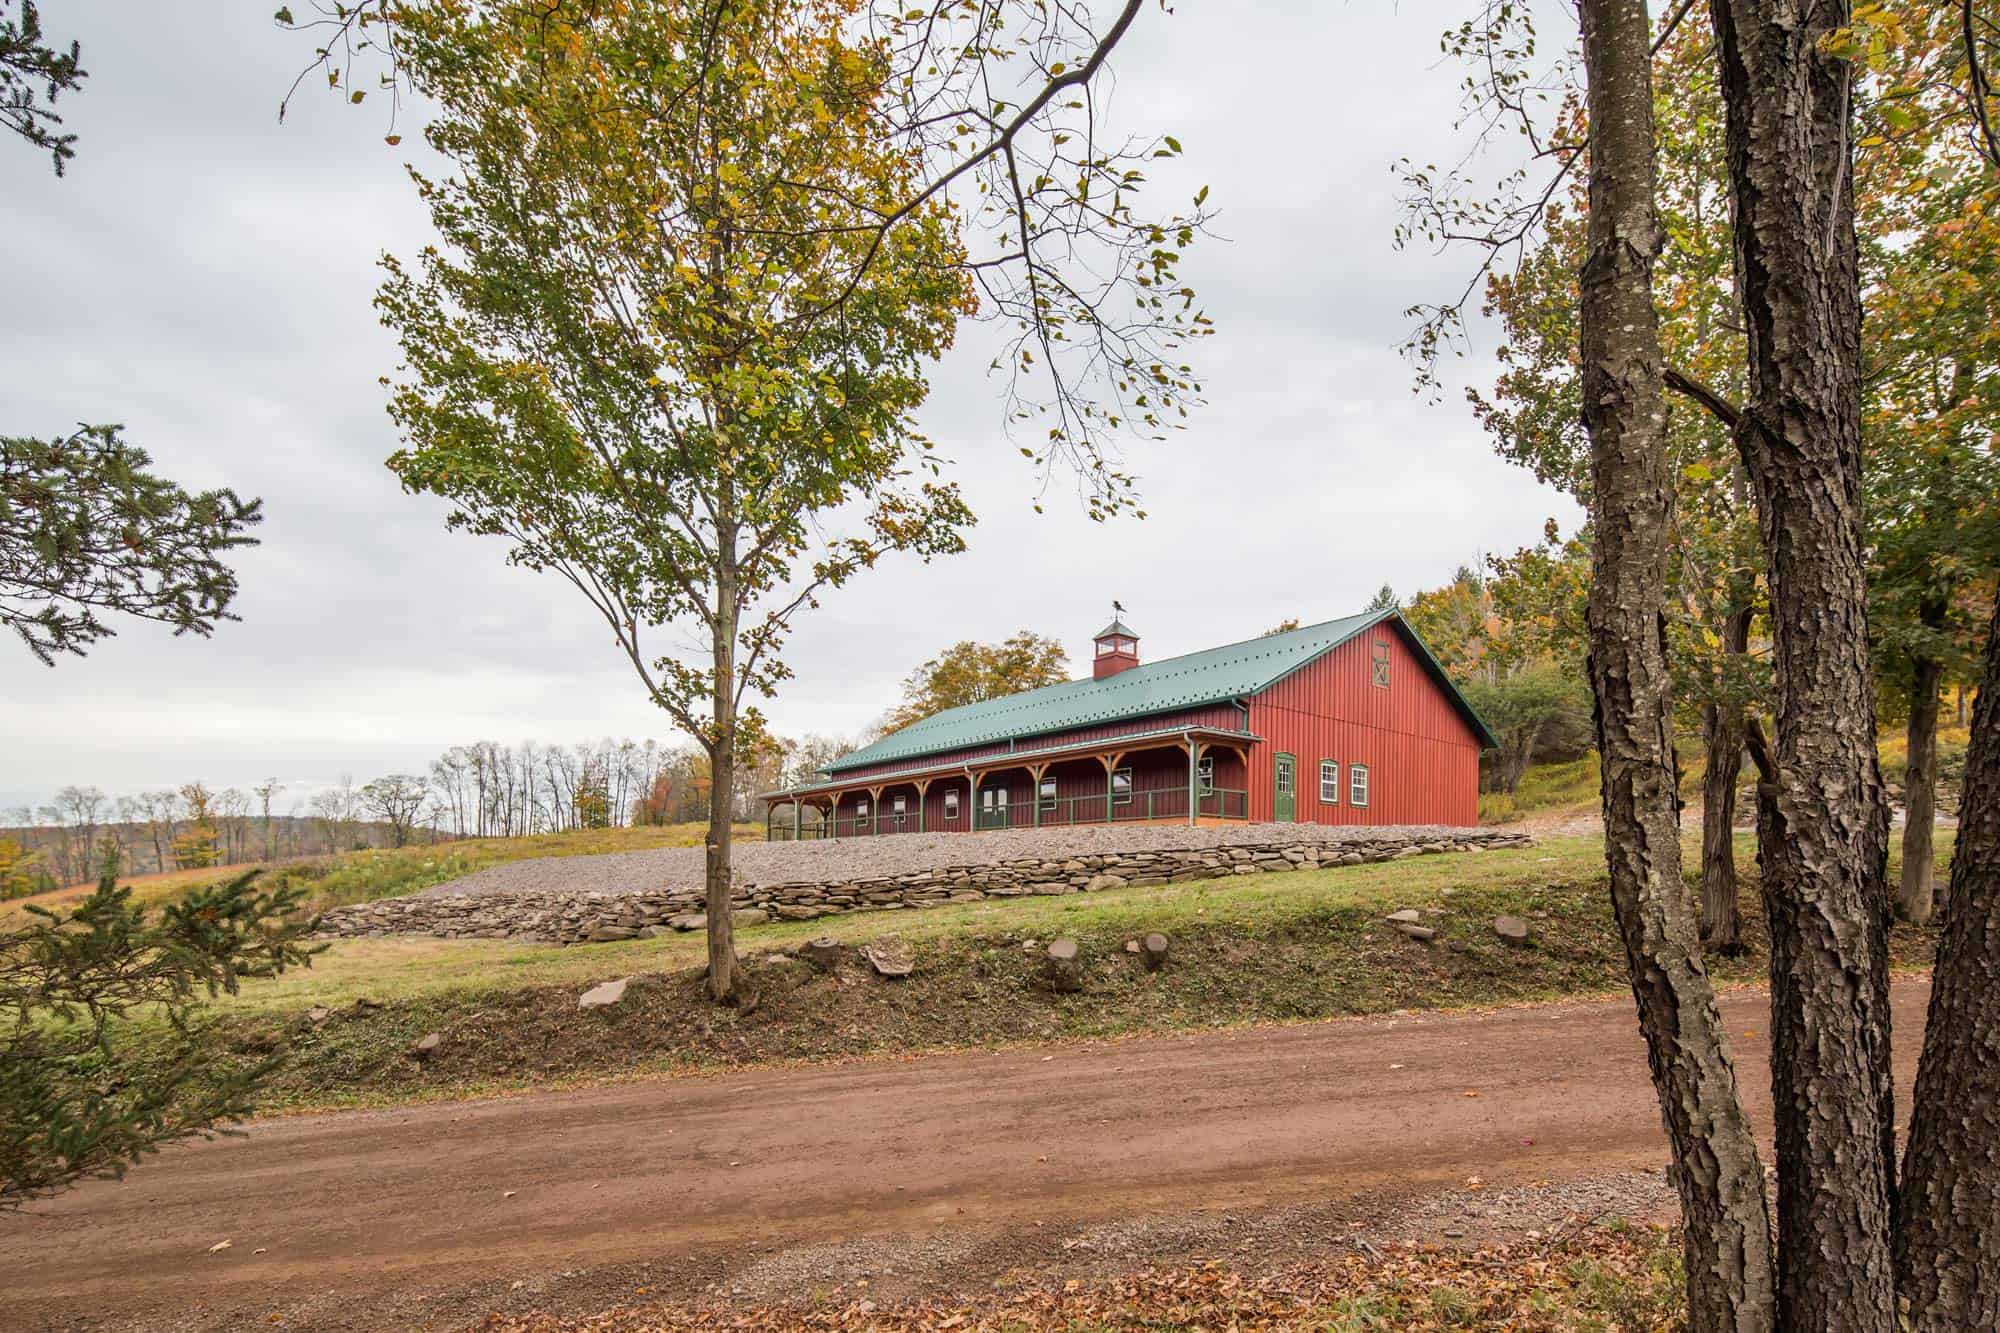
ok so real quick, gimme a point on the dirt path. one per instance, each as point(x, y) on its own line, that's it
point(956, 1168)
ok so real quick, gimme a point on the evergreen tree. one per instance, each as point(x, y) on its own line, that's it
point(86, 1091)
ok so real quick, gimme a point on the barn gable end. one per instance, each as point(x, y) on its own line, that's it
point(1415, 739)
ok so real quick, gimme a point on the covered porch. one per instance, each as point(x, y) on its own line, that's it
point(1190, 776)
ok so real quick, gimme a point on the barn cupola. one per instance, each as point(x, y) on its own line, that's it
point(1117, 650)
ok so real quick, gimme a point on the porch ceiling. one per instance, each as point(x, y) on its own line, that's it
point(1015, 759)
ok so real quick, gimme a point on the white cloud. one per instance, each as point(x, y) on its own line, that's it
point(204, 275)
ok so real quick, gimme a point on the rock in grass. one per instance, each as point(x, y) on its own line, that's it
point(1409, 916)
point(1513, 931)
point(1155, 950)
point(426, 1046)
point(823, 953)
point(604, 995)
point(1422, 934)
point(889, 962)
point(1062, 966)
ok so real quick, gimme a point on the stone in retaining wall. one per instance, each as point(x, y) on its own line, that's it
point(577, 916)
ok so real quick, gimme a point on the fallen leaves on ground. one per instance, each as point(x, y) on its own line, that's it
point(1624, 1279)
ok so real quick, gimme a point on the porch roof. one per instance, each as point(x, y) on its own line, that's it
point(1011, 759)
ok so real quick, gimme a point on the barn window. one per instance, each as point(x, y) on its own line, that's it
point(861, 809)
point(1205, 771)
point(1357, 784)
point(1121, 786)
point(1048, 793)
point(994, 798)
point(902, 804)
point(1329, 781)
point(951, 804)
point(1381, 664)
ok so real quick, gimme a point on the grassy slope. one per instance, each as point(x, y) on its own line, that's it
point(354, 877)
point(1571, 788)
point(1301, 946)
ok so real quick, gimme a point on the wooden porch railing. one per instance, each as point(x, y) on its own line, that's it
point(1056, 812)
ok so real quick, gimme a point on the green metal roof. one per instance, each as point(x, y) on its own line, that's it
point(919, 767)
point(1232, 671)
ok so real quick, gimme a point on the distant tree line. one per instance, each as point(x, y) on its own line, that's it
point(481, 790)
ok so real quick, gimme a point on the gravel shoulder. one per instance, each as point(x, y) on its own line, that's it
point(758, 863)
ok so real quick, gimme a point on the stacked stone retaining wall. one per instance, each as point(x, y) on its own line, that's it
point(576, 916)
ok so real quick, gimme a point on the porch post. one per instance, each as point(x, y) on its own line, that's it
point(972, 799)
point(923, 786)
point(768, 806)
point(834, 809)
point(1194, 781)
point(798, 818)
point(1035, 790)
point(875, 812)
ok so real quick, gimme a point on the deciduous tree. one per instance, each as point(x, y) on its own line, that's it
point(645, 356)
point(396, 801)
point(969, 672)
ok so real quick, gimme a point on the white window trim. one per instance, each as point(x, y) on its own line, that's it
point(861, 809)
point(1357, 785)
point(951, 805)
point(1329, 782)
point(1205, 774)
point(1123, 797)
point(1045, 793)
point(902, 805)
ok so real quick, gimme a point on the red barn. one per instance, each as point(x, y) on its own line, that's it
point(1348, 722)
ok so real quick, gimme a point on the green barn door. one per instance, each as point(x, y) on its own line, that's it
point(1284, 788)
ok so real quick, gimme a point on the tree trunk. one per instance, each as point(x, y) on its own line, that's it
point(723, 981)
point(1722, 734)
point(1915, 895)
point(1823, 825)
point(1948, 1244)
point(1715, 1166)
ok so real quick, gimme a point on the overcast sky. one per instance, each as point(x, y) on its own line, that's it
point(203, 275)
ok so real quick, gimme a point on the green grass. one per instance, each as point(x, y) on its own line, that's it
point(1545, 789)
point(401, 968)
point(1292, 947)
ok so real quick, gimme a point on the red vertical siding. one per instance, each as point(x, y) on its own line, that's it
point(1422, 757)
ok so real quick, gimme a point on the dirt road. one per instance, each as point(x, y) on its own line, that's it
point(965, 1164)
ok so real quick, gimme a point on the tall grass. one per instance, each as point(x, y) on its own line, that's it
point(382, 872)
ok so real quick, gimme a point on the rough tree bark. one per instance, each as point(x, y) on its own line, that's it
point(723, 983)
point(1948, 1246)
point(1915, 894)
point(1722, 733)
point(1715, 1166)
point(1822, 821)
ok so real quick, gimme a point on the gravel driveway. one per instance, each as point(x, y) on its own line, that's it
point(867, 858)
